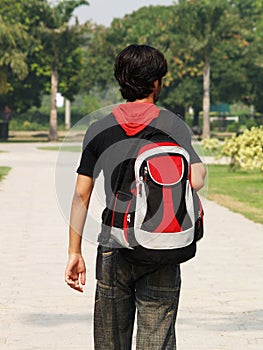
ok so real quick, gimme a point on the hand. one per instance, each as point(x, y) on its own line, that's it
point(75, 274)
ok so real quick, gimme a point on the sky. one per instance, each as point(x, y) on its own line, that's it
point(104, 11)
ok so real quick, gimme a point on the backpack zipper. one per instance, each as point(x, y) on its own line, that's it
point(140, 186)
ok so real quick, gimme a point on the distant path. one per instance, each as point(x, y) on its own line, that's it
point(221, 302)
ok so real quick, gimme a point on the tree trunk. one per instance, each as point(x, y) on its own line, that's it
point(67, 115)
point(206, 100)
point(53, 121)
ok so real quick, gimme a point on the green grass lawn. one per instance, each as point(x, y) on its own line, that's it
point(63, 148)
point(4, 171)
point(239, 191)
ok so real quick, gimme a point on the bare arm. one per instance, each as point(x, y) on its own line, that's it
point(198, 173)
point(76, 269)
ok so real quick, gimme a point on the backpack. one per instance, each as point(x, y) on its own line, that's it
point(155, 214)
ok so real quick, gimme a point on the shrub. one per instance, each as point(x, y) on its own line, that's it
point(26, 125)
point(245, 150)
point(210, 144)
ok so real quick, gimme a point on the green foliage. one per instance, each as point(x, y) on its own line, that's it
point(209, 29)
point(97, 71)
point(148, 26)
point(37, 118)
point(61, 45)
point(189, 33)
point(23, 74)
point(83, 105)
point(233, 127)
point(210, 145)
point(13, 52)
point(206, 23)
point(245, 150)
point(36, 36)
point(62, 12)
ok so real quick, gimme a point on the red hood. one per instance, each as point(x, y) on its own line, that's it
point(135, 116)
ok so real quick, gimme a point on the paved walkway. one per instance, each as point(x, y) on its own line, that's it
point(221, 302)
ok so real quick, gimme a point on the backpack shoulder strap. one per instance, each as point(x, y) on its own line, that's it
point(165, 123)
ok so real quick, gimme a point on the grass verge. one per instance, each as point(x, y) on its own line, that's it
point(63, 148)
point(240, 191)
point(4, 171)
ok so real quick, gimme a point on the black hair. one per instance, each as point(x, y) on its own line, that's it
point(137, 67)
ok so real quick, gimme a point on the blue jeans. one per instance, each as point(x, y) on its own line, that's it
point(122, 288)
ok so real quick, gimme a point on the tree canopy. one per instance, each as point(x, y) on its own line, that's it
point(213, 48)
point(38, 41)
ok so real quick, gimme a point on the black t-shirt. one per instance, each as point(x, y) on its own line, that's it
point(106, 146)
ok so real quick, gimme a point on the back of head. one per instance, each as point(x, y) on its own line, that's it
point(137, 67)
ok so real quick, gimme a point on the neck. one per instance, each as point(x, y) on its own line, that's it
point(148, 99)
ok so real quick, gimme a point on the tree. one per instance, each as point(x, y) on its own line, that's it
point(252, 15)
point(202, 40)
point(61, 43)
point(22, 67)
point(13, 53)
point(204, 25)
point(97, 71)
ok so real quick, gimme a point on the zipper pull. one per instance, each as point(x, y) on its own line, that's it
point(140, 186)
